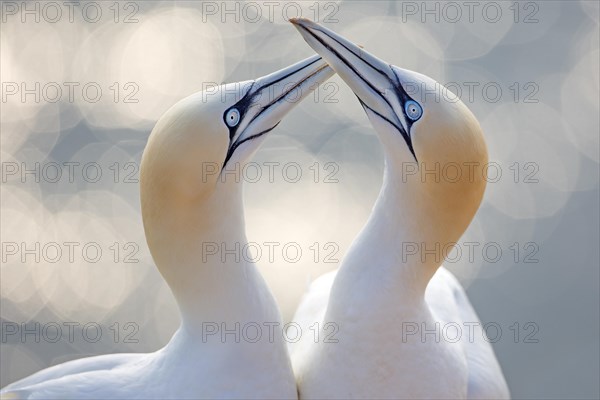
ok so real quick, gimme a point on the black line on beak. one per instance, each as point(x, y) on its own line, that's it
point(402, 96)
point(405, 135)
point(345, 61)
point(247, 101)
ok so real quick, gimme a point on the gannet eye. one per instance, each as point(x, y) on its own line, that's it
point(413, 110)
point(232, 118)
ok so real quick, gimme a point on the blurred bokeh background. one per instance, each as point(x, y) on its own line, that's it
point(83, 85)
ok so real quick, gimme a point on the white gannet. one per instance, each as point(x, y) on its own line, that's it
point(187, 202)
point(383, 301)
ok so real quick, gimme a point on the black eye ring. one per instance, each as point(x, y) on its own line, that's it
point(413, 110)
point(232, 117)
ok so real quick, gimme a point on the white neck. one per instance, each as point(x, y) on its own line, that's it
point(376, 291)
point(224, 287)
point(214, 293)
point(380, 259)
point(414, 223)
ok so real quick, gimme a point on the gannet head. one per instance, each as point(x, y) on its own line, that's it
point(183, 187)
point(430, 137)
point(213, 129)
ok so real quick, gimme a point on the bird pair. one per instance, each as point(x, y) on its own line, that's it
point(377, 294)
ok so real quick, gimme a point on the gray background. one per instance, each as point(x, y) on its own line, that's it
point(175, 49)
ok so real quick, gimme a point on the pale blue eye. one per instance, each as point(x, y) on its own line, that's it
point(232, 118)
point(413, 110)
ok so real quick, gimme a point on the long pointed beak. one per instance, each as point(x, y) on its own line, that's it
point(374, 81)
point(271, 97)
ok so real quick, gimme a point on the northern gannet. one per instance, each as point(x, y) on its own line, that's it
point(383, 301)
point(188, 199)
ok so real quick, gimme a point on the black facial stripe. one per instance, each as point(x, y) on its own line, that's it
point(401, 94)
point(246, 101)
point(242, 106)
point(396, 85)
point(237, 144)
point(400, 129)
point(403, 97)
